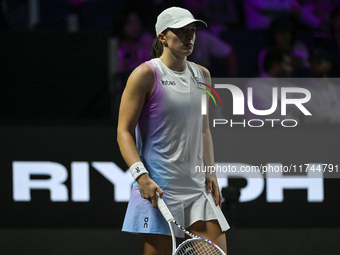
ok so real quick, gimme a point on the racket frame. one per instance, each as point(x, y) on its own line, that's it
point(170, 219)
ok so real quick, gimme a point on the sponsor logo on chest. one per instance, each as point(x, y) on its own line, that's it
point(168, 83)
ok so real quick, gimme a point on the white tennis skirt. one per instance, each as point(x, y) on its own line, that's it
point(187, 207)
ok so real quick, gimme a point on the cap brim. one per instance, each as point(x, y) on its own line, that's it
point(183, 23)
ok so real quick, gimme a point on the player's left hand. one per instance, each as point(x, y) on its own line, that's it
point(212, 186)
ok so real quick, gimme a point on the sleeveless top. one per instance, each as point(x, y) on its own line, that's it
point(169, 130)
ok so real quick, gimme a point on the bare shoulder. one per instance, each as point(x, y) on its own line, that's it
point(143, 70)
point(205, 71)
point(142, 76)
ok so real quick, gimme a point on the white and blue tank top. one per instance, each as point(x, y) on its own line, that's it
point(169, 130)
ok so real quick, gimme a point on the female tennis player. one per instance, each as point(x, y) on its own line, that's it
point(163, 138)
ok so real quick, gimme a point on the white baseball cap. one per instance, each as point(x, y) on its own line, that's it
point(176, 17)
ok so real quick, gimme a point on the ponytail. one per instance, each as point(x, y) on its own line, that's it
point(157, 48)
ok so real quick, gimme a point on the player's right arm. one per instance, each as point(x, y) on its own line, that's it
point(138, 88)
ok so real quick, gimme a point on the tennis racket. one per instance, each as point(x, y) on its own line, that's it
point(195, 245)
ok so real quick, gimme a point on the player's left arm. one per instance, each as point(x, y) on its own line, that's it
point(208, 147)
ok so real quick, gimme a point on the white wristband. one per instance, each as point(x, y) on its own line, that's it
point(137, 169)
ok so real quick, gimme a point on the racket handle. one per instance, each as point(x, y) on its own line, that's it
point(164, 209)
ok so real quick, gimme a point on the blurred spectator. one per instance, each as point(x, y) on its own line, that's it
point(277, 65)
point(222, 14)
point(134, 48)
point(208, 46)
point(325, 93)
point(321, 63)
point(260, 13)
point(219, 14)
point(134, 42)
point(282, 35)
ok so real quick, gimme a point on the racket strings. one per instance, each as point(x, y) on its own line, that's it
point(197, 247)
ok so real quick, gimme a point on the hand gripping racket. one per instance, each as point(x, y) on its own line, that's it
point(195, 245)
